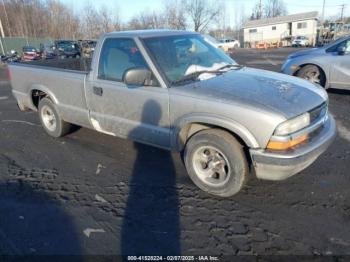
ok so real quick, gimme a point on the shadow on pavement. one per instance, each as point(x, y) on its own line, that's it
point(151, 219)
point(32, 223)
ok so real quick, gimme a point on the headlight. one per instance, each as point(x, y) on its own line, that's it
point(293, 125)
point(282, 138)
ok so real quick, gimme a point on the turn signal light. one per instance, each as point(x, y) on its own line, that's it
point(284, 145)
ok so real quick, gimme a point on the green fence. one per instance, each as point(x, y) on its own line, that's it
point(17, 43)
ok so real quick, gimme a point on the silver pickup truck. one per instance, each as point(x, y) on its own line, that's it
point(173, 90)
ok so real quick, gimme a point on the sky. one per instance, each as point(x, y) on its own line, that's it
point(129, 8)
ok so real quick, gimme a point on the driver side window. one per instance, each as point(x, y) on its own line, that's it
point(335, 48)
point(117, 56)
point(346, 44)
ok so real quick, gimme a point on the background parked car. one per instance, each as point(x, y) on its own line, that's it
point(227, 44)
point(30, 53)
point(300, 41)
point(47, 51)
point(328, 65)
point(67, 49)
point(10, 57)
point(219, 44)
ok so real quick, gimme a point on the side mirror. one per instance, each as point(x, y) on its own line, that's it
point(341, 50)
point(137, 76)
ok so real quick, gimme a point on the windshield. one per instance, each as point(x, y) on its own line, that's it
point(179, 56)
point(211, 39)
point(29, 49)
point(332, 46)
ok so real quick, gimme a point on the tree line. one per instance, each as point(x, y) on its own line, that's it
point(53, 19)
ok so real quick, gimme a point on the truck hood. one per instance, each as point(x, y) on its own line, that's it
point(283, 94)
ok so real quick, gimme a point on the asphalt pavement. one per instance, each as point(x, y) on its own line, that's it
point(93, 194)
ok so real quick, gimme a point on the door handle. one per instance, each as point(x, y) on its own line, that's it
point(98, 90)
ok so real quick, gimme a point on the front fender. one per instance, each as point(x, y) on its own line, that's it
point(212, 120)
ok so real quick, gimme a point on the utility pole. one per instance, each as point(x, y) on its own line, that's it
point(260, 11)
point(342, 12)
point(7, 18)
point(324, 2)
point(1, 29)
point(2, 37)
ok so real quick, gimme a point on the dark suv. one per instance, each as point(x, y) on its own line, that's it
point(67, 49)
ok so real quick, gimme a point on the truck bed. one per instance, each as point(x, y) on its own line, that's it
point(62, 79)
point(72, 64)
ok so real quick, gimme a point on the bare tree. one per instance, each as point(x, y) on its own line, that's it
point(174, 14)
point(275, 8)
point(256, 12)
point(202, 13)
point(146, 20)
point(239, 17)
point(60, 21)
point(117, 24)
point(38, 18)
point(105, 19)
point(91, 22)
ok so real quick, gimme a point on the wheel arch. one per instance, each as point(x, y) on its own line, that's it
point(37, 92)
point(318, 66)
point(189, 126)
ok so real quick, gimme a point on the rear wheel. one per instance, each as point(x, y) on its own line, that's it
point(51, 120)
point(313, 74)
point(216, 162)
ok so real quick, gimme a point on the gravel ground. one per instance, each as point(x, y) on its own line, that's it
point(93, 194)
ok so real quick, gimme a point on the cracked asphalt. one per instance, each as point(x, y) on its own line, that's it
point(93, 194)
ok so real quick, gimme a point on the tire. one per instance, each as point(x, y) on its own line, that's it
point(51, 120)
point(313, 74)
point(226, 172)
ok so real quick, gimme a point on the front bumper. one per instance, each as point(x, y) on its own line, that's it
point(279, 166)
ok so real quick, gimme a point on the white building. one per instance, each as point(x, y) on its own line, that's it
point(275, 29)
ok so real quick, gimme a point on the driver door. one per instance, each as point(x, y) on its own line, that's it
point(140, 113)
point(340, 69)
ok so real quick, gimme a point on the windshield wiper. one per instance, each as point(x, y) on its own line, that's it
point(230, 66)
point(194, 76)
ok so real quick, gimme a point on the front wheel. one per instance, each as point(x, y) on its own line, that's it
point(313, 74)
point(51, 120)
point(216, 163)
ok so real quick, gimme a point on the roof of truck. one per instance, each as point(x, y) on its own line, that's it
point(149, 33)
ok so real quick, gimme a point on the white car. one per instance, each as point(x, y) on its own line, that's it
point(300, 41)
point(224, 44)
point(227, 44)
